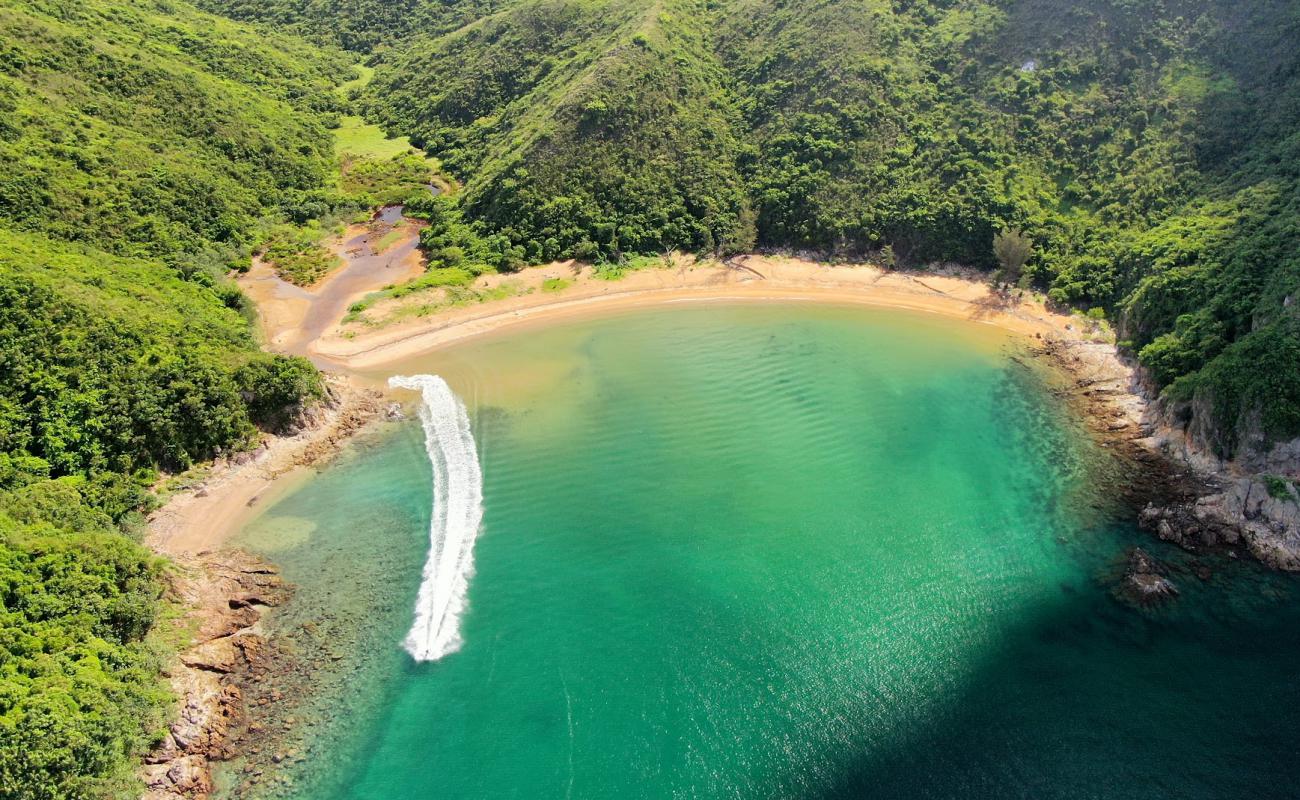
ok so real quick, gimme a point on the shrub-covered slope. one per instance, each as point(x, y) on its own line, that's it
point(588, 128)
point(154, 134)
point(143, 146)
point(359, 25)
point(1147, 148)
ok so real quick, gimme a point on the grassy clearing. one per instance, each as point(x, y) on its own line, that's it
point(454, 297)
point(364, 76)
point(356, 137)
point(617, 270)
point(370, 159)
point(453, 289)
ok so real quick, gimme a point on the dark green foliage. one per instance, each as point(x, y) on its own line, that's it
point(275, 389)
point(156, 135)
point(361, 25)
point(111, 364)
point(1012, 250)
point(451, 242)
point(590, 128)
point(1252, 386)
point(1278, 488)
point(1146, 147)
point(143, 149)
point(79, 689)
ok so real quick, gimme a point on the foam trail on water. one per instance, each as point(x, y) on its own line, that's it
point(457, 512)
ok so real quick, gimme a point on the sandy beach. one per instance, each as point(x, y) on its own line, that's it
point(960, 295)
point(200, 518)
point(195, 525)
point(203, 518)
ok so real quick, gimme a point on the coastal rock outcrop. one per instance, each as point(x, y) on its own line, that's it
point(227, 592)
point(1259, 514)
point(1187, 494)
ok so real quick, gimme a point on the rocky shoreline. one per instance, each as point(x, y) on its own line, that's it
point(1179, 492)
point(225, 672)
point(1234, 512)
point(229, 592)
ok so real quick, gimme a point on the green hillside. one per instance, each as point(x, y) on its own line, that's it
point(583, 129)
point(144, 148)
point(1146, 147)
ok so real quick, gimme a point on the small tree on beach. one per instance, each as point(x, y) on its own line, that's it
point(888, 259)
point(1012, 249)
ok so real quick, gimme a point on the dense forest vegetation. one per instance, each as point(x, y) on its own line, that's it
point(1146, 147)
point(143, 149)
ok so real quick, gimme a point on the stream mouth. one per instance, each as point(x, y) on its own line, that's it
point(365, 269)
point(391, 215)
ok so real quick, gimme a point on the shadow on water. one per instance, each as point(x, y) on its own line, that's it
point(1091, 698)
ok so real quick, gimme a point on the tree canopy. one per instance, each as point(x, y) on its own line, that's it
point(143, 150)
point(1145, 147)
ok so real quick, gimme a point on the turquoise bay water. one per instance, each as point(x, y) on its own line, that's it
point(759, 551)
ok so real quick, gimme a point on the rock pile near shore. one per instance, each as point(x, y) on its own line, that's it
point(1245, 513)
point(229, 590)
point(1145, 583)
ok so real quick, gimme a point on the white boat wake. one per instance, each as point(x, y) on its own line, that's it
point(457, 513)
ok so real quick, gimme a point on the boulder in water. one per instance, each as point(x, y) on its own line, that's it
point(1145, 583)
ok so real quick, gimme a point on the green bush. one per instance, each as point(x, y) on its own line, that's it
point(144, 148)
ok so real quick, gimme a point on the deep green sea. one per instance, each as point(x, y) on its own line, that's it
point(768, 551)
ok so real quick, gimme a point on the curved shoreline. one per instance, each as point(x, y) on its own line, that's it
point(194, 526)
point(782, 280)
point(203, 517)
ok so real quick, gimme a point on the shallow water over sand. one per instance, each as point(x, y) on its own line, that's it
point(768, 551)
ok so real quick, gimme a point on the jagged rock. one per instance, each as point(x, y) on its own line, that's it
point(1144, 582)
point(394, 412)
point(1243, 513)
point(247, 599)
point(186, 776)
point(217, 627)
point(218, 655)
point(233, 590)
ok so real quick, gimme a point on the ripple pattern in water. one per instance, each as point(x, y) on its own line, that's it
point(754, 551)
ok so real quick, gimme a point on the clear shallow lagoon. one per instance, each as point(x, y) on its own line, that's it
point(758, 551)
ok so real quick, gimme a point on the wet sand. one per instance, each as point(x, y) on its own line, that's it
point(753, 278)
point(292, 318)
